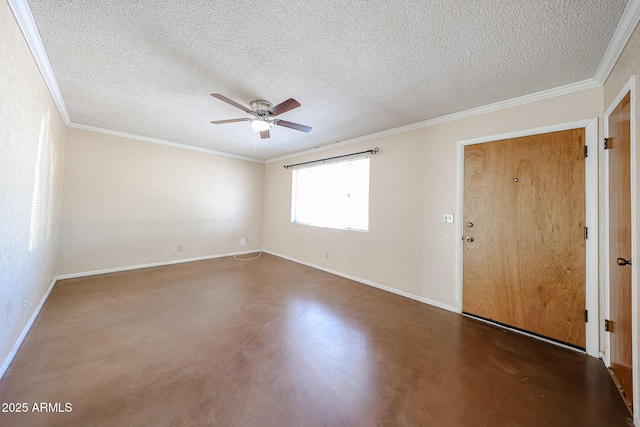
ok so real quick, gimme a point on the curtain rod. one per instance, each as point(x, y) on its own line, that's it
point(373, 151)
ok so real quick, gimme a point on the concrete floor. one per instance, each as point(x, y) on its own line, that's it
point(274, 343)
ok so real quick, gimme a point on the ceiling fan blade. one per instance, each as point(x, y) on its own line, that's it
point(283, 107)
point(264, 134)
point(229, 101)
point(220, 122)
point(295, 126)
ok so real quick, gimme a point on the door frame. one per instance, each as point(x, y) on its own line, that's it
point(629, 87)
point(590, 126)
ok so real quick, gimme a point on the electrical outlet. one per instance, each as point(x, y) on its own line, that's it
point(250, 239)
point(326, 255)
point(24, 303)
point(179, 248)
point(448, 218)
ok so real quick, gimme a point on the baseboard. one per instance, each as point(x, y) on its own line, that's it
point(25, 331)
point(153, 264)
point(369, 283)
point(27, 327)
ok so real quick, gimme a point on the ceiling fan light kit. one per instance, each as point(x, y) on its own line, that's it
point(263, 114)
point(260, 125)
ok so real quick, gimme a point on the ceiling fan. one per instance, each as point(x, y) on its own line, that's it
point(263, 115)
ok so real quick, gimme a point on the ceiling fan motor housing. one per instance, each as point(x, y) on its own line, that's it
point(261, 107)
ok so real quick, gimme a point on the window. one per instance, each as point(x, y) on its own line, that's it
point(335, 195)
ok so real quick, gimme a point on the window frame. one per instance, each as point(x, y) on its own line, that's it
point(294, 196)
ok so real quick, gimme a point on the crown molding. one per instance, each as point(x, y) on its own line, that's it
point(626, 25)
point(502, 105)
point(160, 141)
point(27, 25)
point(624, 29)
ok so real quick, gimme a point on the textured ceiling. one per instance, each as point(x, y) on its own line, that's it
point(147, 67)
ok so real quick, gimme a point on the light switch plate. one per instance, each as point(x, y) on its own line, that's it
point(448, 218)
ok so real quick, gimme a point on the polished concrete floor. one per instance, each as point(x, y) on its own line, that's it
point(274, 343)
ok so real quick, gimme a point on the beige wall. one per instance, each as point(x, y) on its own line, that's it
point(31, 157)
point(413, 182)
point(629, 65)
point(128, 202)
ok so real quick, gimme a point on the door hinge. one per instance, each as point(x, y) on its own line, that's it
point(586, 151)
point(586, 316)
point(586, 233)
point(606, 143)
point(607, 325)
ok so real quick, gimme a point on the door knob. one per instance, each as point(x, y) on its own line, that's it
point(469, 239)
point(622, 261)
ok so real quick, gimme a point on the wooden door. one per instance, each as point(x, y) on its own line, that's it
point(619, 159)
point(524, 208)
